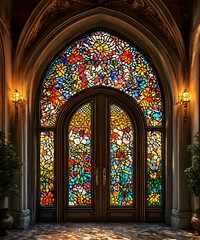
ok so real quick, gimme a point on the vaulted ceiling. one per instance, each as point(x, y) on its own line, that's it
point(180, 10)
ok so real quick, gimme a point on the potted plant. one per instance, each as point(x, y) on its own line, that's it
point(193, 178)
point(10, 170)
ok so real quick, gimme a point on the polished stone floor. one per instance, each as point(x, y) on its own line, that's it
point(106, 231)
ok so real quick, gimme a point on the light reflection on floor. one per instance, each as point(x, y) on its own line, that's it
point(96, 231)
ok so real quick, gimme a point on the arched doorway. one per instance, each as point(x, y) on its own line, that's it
point(101, 135)
point(97, 62)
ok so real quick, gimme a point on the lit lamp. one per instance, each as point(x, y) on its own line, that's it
point(17, 100)
point(184, 100)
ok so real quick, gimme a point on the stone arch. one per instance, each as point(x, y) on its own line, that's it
point(35, 60)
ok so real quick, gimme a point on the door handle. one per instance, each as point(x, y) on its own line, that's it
point(104, 176)
point(97, 176)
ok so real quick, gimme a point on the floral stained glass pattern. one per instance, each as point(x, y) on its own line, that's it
point(80, 163)
point(47, 169)
point(100, 59)
point(154, 168)
point(121, 156)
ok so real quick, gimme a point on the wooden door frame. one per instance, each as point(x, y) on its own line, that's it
point(136, 115)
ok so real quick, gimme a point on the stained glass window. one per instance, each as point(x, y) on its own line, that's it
point(100, 59)
point(154, 168)
point(80, 163)
point(121, 157)
point(47, 169)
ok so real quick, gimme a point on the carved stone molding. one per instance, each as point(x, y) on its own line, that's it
point(149, 9)
point(155, 14)
point(54, 8)
point(5, 13)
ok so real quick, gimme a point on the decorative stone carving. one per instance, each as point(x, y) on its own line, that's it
point(5, 14)
point(149, 9)
point(145, 7)
point(100, 2)
point(55, 7)
point(136, 3)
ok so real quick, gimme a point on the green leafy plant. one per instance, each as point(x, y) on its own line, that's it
point(193, 172)
point(10, 169)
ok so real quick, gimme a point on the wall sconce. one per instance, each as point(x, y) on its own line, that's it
point(183, 100)
point(18, 101)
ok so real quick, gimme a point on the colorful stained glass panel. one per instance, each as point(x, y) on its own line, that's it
point(121, 158)
point(80, 162)
point(100, 59)
point(154, 168)
point(47, 169)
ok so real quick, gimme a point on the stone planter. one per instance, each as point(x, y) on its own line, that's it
point(195, 221)
point(6, 221)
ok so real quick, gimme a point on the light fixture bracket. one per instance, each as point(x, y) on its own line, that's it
point(183, 100)
point(17, 99)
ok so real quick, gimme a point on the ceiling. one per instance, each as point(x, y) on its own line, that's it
point(179, 9)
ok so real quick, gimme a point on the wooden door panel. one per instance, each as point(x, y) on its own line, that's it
point(121, 215)
point(80, 215)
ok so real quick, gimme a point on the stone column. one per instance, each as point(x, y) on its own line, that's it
point(181, 213)
point(20, 211)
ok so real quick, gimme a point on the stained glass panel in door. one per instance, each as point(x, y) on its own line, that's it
point(121, 158)
point(80, 159)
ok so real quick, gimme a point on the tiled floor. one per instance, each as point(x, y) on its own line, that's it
point(94, 231)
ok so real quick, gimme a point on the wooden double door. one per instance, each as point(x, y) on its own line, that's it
point(101, 159)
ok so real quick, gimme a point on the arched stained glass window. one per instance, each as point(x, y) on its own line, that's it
point(100, 59)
